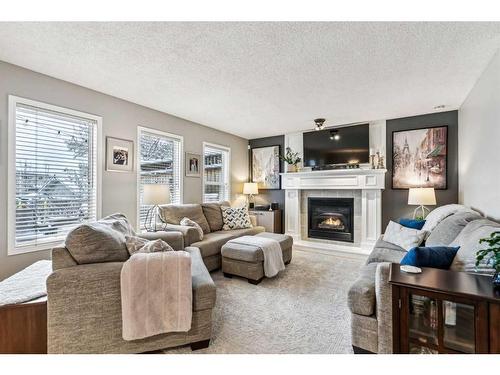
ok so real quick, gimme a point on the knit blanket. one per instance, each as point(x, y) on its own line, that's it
point(273, 255)
point(156, 294)
point(26, 285)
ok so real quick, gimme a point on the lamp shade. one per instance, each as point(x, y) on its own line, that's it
point(156, 194)
point(250, 188)
point(422, 196)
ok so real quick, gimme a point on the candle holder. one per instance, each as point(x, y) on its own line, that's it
point(372, 157)
point(380, 164)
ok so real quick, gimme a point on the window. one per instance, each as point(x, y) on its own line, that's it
point(53, 175)
point(160, 162)
point(216, 185)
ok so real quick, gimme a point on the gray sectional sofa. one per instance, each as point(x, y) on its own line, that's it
point(84, 305)
point(209, 217)
point(370, 297)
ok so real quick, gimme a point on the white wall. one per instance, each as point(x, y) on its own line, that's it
point(479, 143)
point(120, 119)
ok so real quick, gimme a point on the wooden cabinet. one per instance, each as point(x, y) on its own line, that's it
point(271, 220)
point(441, 311)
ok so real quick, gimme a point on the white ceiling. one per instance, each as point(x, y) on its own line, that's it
point(260, 79)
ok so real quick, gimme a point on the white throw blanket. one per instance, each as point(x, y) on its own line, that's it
point(273, 255)
point(156, 291)
point(27, 284)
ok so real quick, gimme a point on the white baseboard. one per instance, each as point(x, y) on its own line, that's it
point(330, 249)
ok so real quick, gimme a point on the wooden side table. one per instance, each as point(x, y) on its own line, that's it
point(441, 311)
point(23, 327)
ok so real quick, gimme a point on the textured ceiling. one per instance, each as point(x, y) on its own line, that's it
point(261, 79)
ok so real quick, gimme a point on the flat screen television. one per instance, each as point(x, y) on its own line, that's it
point(344, 145)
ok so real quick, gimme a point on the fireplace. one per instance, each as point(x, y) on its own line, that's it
point(331, 218)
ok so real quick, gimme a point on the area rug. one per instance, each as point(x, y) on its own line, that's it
point(302, 310)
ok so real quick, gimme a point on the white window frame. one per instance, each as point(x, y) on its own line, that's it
point(11, 171)
point(228, 169)
point(177, 137)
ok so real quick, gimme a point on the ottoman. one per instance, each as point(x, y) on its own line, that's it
point(248, 261)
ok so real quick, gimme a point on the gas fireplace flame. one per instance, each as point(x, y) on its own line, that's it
point(332, 222)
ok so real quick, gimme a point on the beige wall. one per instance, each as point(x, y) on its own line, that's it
point(478, 143)
point(120, 118)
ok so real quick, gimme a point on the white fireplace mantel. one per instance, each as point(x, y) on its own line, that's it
point(371, 182)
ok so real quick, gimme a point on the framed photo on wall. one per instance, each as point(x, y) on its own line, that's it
point(119, 155)
point(266, 167)
point(420, 158)
point(193, 165)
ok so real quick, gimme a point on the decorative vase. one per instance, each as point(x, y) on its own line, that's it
point(292, 168)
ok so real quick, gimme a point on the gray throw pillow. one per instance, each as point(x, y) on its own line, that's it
point(190, 223)
point(100, 241)
point(235, 218)
point(141, 245)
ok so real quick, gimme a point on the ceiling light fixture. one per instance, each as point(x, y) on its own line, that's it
point(441, 106)
point(320, 123)
point(334, 135)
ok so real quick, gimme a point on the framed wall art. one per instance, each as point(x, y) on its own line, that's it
point(119, 155)
point(266, 167)
point(193, 165)
point(420, 158)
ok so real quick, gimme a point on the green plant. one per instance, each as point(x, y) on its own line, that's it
point(291, 157)
point(492, 251)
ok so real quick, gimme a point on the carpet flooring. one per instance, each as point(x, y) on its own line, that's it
point(302, 310)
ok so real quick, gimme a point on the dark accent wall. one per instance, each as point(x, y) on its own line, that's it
point(269, 196)
point(395, 202)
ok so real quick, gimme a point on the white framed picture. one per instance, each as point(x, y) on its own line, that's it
point(193, 164)
point(119, 155)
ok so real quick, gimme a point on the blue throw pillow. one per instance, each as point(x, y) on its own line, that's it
point(412, 223)
point(434, 257)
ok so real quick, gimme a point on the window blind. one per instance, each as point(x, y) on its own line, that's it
point(215, 174)
point(160, 163)
point(56, 174)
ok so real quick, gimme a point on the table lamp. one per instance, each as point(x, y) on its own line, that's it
point(250, 189)
point(421, 197)
point(154, 195)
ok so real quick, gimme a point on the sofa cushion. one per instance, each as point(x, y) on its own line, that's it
point(187, 222)
point(213, 214)
point(361, 295)
point(174, 213)
point(448, 229)
point(212, 242)
point(385, 252)
point(468, 240)
point(100, 241)
point(440, 213)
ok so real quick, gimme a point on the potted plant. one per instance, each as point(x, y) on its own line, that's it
point(292, 159)
point(492, 255)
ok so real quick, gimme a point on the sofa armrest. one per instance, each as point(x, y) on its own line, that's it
point(83, 301)
point(173, 238)
point(190, 234)
point(204, 291)
point(383, 296)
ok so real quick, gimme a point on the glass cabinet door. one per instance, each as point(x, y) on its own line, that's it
point(423, 322)
point(458, 332)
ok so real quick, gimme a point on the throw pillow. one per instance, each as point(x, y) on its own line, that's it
point(141, 245)
point(213, 214)
point(412, 223)
point(190, 223)
point(235, 218)
point(435, 257)
point(402, 236)
point(438, 214)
